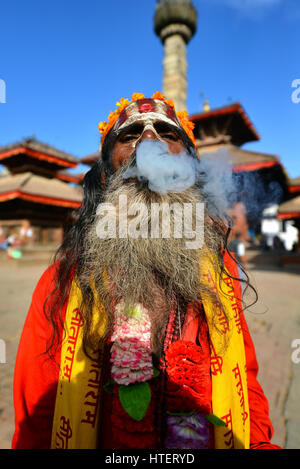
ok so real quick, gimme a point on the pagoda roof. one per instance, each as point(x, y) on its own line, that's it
point(33, 188)
point(227, 124)
point(67, 176)
point(241, 159)
point(294, 185)
point(290, 209)
point(32, 155)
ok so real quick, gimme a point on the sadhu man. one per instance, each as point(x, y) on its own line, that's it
point(136, 336)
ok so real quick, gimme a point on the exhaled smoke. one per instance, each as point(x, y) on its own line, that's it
point(165, 172)
point(214, 179)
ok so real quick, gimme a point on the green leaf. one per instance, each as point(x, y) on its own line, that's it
point(108, 387)
point(156, 372)
point(215, 420)
point(135, 399)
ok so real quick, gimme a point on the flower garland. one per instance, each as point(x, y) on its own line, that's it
point(136, 391)
point(104, 127)
point(133, 405)
point(131, 353)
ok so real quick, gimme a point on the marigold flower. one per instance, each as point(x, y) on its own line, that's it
point(137, 96)
point(170, 103)
point(102, 126)
point(122, 104)
point(158, 95)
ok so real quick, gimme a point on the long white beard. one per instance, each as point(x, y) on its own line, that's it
point(148, 271)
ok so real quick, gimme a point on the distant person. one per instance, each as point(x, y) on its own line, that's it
point(2, 236)
point(3, 242)
point(278, 244)
point(26, 233)
point(13, 246)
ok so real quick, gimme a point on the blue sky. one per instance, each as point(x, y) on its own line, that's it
point(66, 63)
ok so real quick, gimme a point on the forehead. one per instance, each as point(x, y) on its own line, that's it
point(146, 110)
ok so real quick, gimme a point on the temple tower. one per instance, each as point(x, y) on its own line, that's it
point(175, 23)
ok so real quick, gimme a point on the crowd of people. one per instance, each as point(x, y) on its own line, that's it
point(16, 239)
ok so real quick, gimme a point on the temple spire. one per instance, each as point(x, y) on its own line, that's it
point(175, 23)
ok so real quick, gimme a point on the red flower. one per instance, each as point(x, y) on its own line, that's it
point(188, 383)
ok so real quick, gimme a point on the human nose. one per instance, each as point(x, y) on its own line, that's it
point(148, 134)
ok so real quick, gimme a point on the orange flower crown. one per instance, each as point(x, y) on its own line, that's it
point(182, 116)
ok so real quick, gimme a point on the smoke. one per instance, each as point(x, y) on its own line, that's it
point(165, 172)
point(257, 192)
point(215, 179)
point(220, 187)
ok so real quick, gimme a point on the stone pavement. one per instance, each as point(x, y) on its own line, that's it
point(274, 323)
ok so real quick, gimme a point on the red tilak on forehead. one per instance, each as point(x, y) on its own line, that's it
point(146, 105)
point(143, 106)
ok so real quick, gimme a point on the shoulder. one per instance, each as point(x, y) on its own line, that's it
point(46, 282)
point(231, 267)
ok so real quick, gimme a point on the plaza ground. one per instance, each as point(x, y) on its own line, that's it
point(274, 323)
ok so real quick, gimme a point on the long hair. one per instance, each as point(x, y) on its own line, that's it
point(69, 260)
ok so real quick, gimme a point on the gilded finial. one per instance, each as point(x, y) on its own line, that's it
point(206, 106)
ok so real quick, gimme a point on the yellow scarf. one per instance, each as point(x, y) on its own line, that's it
point(77, 406)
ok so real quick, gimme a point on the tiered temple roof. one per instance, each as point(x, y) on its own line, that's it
point(31, 155)
point(290, 210)
point(223, 125)
point(36, 189)
point(294, 186)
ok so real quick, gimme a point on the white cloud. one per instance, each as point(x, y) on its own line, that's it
point(241, 4)
point(249, 7)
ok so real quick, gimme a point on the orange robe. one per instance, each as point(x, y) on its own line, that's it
point(36, 377)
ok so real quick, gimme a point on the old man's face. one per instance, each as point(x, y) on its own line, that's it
point(132, 135)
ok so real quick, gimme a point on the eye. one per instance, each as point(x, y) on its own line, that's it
point(128, 138)
point(169, 136)
point(130, 134)
point(166, 132)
